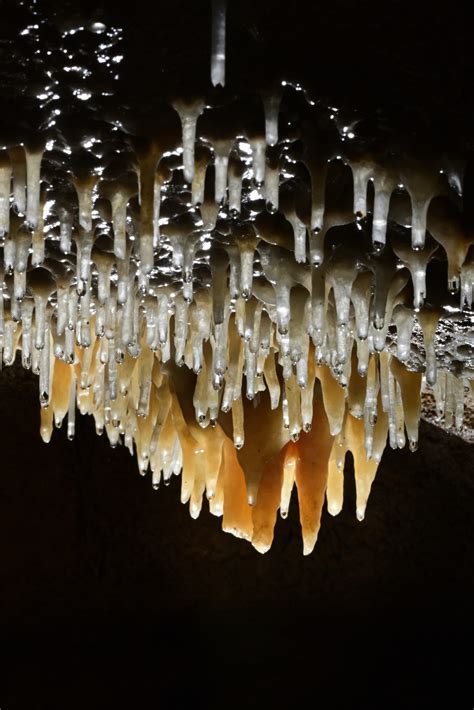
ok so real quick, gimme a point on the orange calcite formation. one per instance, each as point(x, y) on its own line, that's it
point(246, 486)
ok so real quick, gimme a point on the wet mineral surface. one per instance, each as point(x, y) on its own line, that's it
point(91, 564)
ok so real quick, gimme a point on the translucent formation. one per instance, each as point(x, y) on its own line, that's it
point(218, 42)
point(238, 297)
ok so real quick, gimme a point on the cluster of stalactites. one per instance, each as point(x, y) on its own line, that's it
point(241, 340)
point(246, 460)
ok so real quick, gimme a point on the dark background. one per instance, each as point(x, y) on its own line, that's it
point(111, 596)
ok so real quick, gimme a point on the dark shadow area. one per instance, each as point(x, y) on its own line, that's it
point(112, 596)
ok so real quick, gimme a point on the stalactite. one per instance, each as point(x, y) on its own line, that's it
point(218, 42)
point(240, 292)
